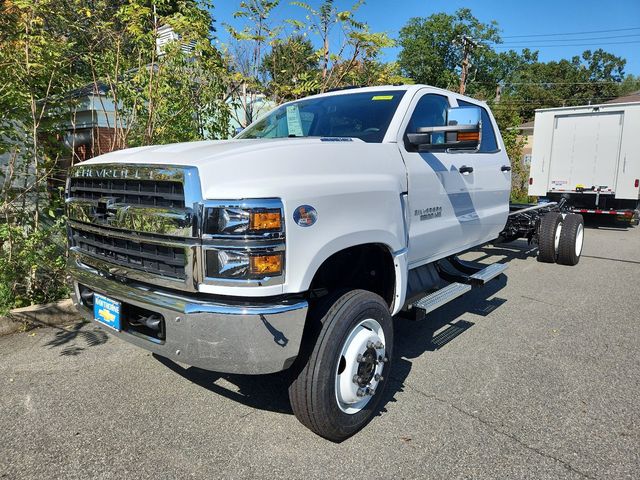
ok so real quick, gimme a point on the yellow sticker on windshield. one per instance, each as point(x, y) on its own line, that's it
point(383, 97)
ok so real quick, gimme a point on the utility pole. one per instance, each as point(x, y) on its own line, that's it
point(467, 46)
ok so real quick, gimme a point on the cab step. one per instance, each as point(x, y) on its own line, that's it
point(487, 273)
point(462, 277)
point(438, 298)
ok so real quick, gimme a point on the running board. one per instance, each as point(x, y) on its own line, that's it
point(440, 297)
point(429, 303)
point(487, 273)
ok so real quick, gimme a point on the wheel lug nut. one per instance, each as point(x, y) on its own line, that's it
point(370, 344)
point(378, 377)
point(371, 392)
point(356, 379)
point(379, 345)
point(360, 358)
point(361, 392)
point(382, 359)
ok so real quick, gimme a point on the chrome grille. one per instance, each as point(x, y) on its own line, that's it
point(144, 193)
point(136, 221)
point(149, 257)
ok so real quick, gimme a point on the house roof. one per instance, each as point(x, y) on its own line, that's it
point(632, 97)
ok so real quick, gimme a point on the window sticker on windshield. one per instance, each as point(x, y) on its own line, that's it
point(383, 97)
point(294, 122)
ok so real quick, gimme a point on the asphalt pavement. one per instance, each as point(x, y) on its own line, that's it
point(536, 375)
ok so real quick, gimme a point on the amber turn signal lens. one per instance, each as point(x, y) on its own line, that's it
point(266, 264)
point(468, 136)
point(265, 220)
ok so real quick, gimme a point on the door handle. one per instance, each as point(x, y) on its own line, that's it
point(505, 168)
point(465, 169)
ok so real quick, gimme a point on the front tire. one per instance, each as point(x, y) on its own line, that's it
point(338, 383)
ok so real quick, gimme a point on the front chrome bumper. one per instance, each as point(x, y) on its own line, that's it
point(255, 338)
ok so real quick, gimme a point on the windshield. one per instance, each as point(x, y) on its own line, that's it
point(360, 115)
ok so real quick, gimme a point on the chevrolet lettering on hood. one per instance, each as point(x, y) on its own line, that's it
point(115, 173)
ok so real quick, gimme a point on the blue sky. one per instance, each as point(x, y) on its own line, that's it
point(514, 18)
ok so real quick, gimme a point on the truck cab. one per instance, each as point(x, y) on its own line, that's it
point(291, 246)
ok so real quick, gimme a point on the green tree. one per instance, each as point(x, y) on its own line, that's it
point(251, 41)
point(36, 67)
point(49, 48)
point(373, 72)
point(291, 67)
point(432, 50)
point(176, 93)
point(630, 84)
point(352, 48)
point(593, 77)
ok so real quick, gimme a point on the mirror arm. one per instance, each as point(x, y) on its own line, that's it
point(418, 138)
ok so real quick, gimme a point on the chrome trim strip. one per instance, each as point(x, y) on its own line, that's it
point(118, 171)
point(103, 267)
point(155, 220)
point(144, 238)
point(406, 217)
point(179, 303)
point(240, 310)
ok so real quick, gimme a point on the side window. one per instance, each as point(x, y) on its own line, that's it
point(430, 111)
point(489, 143)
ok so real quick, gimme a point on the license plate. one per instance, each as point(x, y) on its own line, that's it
point(106, 311)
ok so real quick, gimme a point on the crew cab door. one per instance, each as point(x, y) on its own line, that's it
point(490, 181)
point(442, 215)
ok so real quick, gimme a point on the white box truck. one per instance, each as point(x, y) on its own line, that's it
point(590, 156)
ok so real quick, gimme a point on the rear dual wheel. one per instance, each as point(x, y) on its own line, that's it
point(571, 239)
point(560, 238)
point(549, 237)
point(338, 382)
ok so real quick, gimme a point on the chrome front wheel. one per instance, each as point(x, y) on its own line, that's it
point(360, 365)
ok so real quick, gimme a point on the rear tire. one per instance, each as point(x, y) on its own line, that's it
point(339, 381)
point(571, 239)
point(549, 237)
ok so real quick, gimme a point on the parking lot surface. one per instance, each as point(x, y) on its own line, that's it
point(536, 375)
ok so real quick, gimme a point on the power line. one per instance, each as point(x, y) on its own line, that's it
point(600, 82)
point(572, 39)
point(549, 100)
point(568, 45)
point(572, 33)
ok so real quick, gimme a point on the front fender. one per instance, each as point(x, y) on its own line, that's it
point(344, 220)
point(383, 238)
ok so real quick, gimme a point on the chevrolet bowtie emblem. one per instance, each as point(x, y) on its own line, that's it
point(105, 208)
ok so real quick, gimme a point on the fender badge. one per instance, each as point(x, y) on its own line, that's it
point(305, 215)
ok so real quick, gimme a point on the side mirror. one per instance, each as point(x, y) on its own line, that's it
point(461, 132)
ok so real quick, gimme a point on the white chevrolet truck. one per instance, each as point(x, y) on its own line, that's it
point(293, 246)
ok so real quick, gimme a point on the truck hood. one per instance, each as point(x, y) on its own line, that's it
point(234, 169)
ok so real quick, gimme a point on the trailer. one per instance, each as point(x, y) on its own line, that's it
point(590, 156)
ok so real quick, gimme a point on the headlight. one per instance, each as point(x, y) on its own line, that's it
point(242, 221)
point(243, 242)
point(243, 264)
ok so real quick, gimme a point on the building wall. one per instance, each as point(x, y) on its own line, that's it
point(527, 149)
